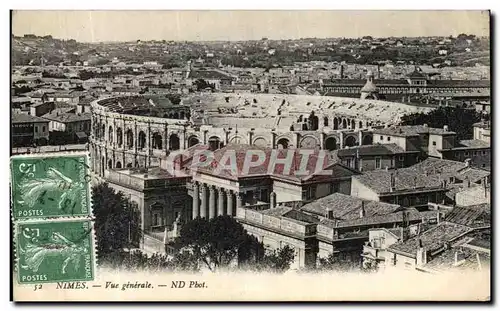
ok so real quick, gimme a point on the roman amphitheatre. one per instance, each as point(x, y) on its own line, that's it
point(138, 131)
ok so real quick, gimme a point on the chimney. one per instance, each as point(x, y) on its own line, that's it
point(421, 254)
point(438, 217)
point(393, 182)
point(445, 128)
point(273, 199)
point(362, 211)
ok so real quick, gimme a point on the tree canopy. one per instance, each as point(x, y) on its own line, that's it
point(116, 221)
point(458, 120)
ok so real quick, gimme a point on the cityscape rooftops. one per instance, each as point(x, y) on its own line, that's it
point(26, 118)
point(347, 207)
point(432, 239)
point(366, 150)
point(412, 130)
point(67, 117)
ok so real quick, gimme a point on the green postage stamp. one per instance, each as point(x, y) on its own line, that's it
point(55, 251)
point(45, 186)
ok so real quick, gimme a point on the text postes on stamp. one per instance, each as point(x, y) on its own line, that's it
point(50, 186)
point(55, 251)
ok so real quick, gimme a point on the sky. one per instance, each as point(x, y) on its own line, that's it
point(98, 26)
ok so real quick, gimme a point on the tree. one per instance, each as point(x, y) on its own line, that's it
point(214, 243)
point(116, 223)
point(278, 260)
point(333, 263)
point(202, 84)
point(458, 120)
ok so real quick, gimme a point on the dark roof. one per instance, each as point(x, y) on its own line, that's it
point(396, 217)
point(411, 130)
point(432, 239)
point(208, 74)
point(404, 82)
point(67, 117)
point(26, 118)
point(365, 150)
point(295, 174)
point(474, 143)
point(477, 215)
point(416, 74)
point(348, 207)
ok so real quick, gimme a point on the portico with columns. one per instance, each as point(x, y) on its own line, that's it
point(213, 196)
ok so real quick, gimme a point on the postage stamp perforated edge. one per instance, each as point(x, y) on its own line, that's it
point(92, 240)
point(85, 154)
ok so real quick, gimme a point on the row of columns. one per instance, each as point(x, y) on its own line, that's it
point(224, 197)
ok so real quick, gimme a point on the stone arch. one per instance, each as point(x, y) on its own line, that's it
point(110, 134)
point(174, 143)
point(118, 164)
point(344, 123)
point(119, 136)
point(130, 139)
point(330, 143)
point(141, 142)
point(335, 123)
point(237, 139)
point(350, 141)
point(193, 140)
point(214, 143)
point(283, 143)
point(260, 142)
point(309, 142)
point(353, 124)
point(367, 140)
point(313, 121)
point(157, 141)
point(325, 121)
point(360, 124)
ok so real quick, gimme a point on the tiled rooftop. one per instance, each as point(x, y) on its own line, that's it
point(347, 207)
point(432, 239)
point(381, 149)
point(411, 130)
point(474, 143)
point(26, 118)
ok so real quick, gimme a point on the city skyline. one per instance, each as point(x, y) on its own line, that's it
point(114, 26)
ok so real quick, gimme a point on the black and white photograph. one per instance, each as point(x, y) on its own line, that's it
point(240, 155)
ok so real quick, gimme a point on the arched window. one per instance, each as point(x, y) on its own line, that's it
point(142, 140)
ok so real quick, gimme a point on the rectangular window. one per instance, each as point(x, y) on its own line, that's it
point(36, 129)
point(457, 154)
point(381, 137)
point(401, 158)
point(466, 153)
point(484, 152)
point(43, 128)
point(433, 143)
point(388, 138)
point(348, 162)
point(378, 163)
